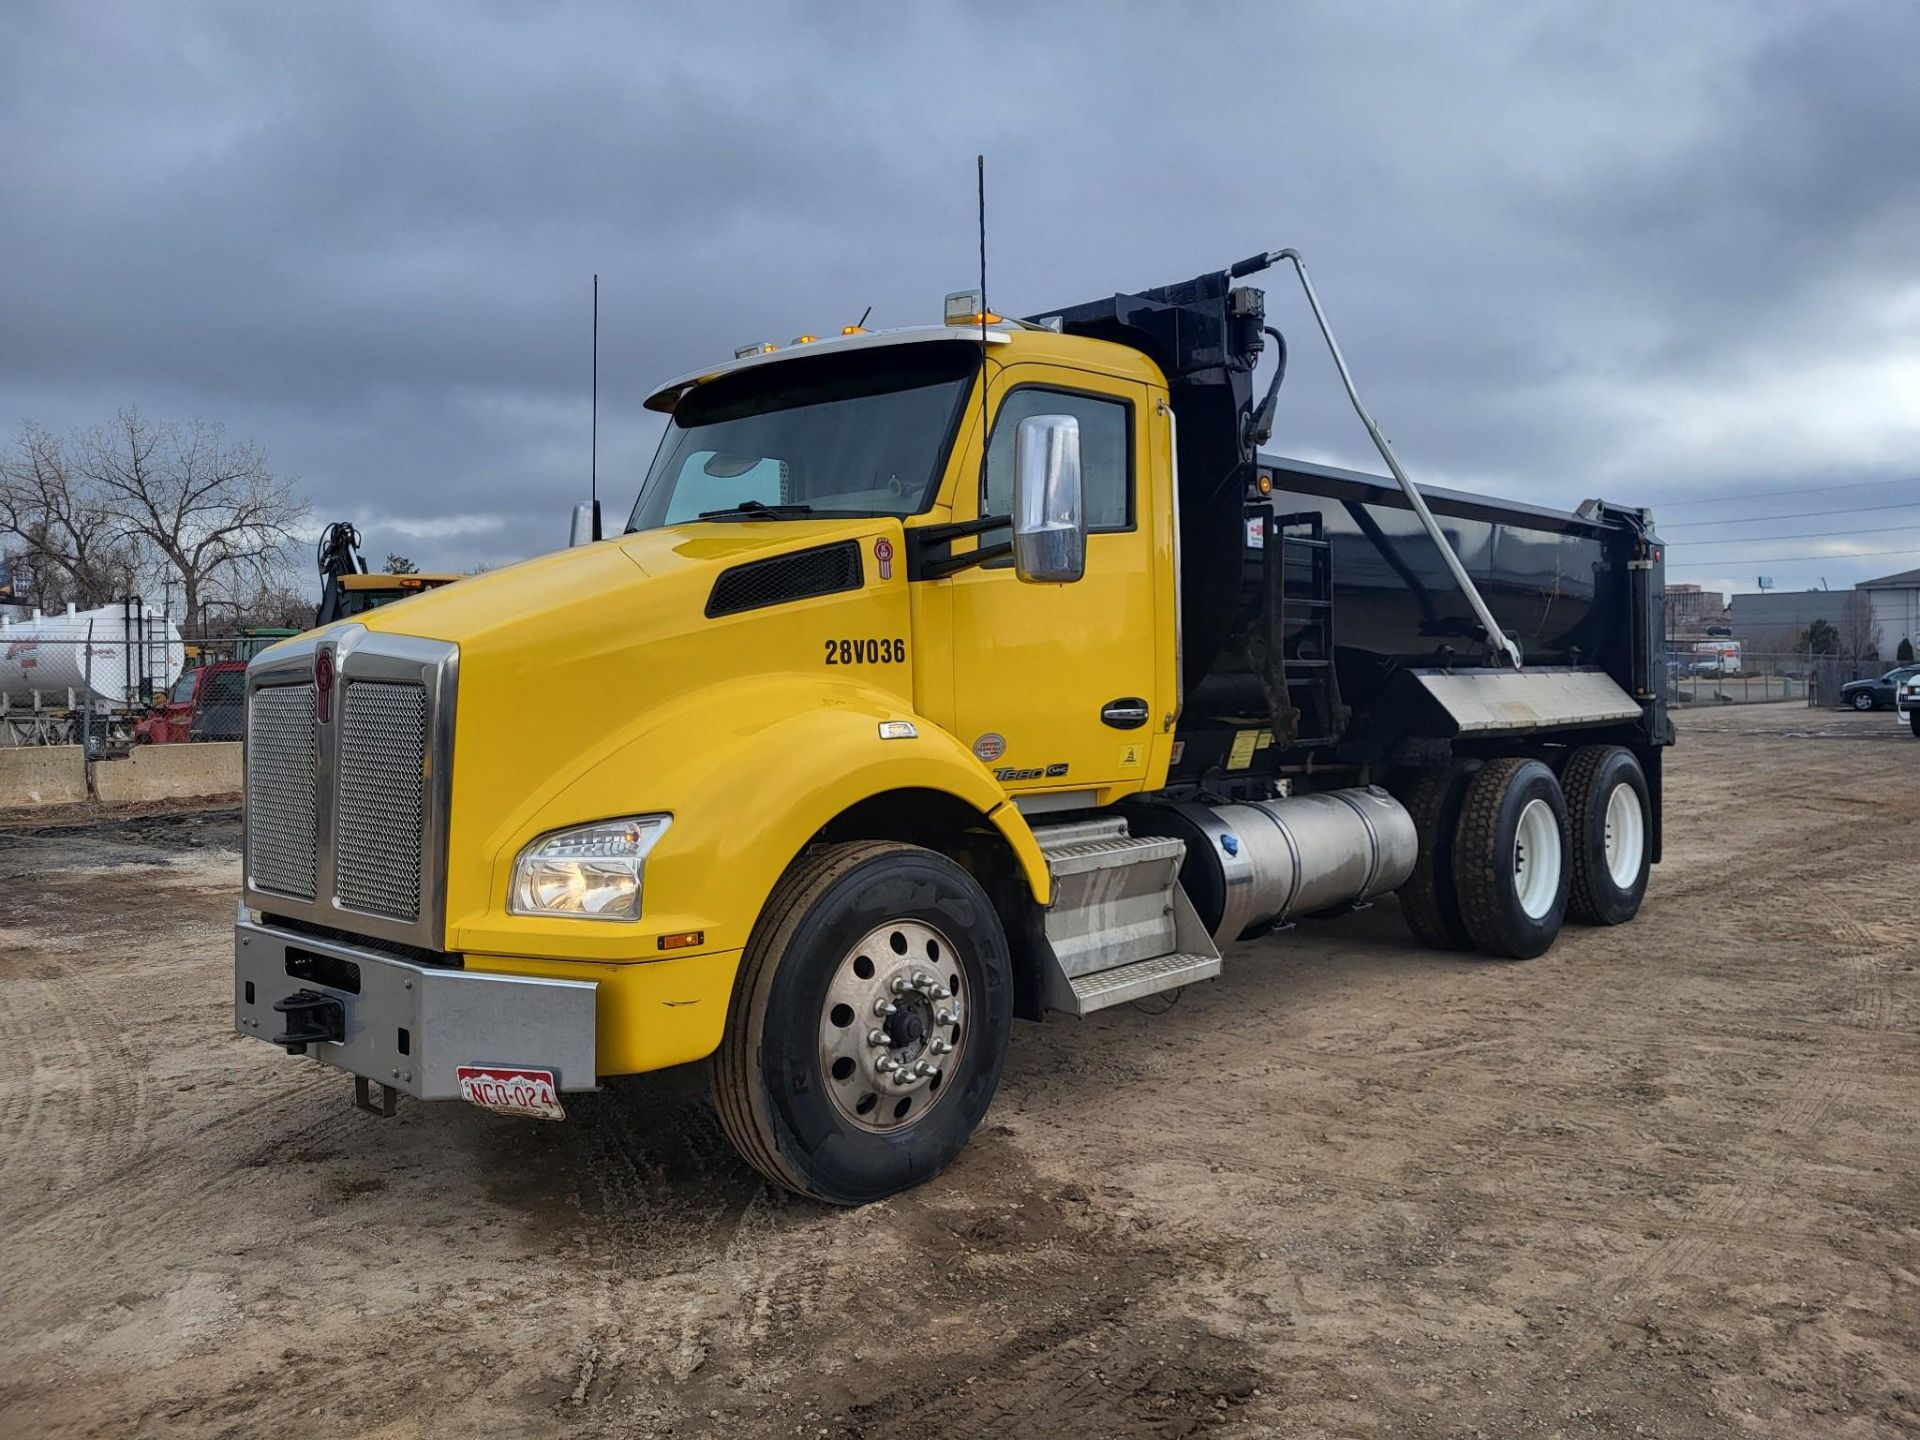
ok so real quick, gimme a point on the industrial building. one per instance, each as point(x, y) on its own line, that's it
point(1763, 620)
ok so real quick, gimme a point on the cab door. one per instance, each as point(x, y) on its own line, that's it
point(1070, 687)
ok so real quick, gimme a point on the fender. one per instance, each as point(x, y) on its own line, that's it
point(749, 770)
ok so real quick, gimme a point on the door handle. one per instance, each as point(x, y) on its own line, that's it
point(1129, 712)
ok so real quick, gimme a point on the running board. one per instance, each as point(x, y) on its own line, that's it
point(1144, 977)
point(1120, 926)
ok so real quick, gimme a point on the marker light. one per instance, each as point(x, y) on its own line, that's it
point(764, 347)
point(968, 307)
point(1266, 483)
point(854, 330)
point(804, 339)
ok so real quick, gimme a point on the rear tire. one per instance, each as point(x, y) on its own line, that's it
point(1509, 859)
point(1609, 817)
point(1863, 700)
point(795, 1080)
point(1428, 901)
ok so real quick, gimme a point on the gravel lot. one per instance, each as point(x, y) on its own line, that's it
point(1664, 1181)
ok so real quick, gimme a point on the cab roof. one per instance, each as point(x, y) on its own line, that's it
point(1043, 343)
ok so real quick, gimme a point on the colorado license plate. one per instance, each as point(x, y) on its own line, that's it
point(511, 1091)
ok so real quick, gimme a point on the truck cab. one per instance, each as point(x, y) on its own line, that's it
point(207, 702)
point(938, 677)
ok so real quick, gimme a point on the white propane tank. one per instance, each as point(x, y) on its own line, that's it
point(44, 660)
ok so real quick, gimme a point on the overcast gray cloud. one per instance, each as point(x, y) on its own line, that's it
point(1657, 252)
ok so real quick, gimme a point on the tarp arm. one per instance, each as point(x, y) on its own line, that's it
point(1496, 637)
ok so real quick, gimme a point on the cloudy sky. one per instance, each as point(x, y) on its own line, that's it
point(1661, 253)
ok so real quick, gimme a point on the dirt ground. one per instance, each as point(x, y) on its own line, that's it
point(1664, 1181)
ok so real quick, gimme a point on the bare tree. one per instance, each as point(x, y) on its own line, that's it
point(400, 565)
point(208, 508)
point(1859, 636)
point(70, 544)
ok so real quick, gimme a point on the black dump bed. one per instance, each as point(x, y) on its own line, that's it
point(1318, 617)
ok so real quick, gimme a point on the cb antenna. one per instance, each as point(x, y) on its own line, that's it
point(593, 457)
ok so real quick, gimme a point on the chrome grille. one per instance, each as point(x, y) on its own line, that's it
point(380, 815)
point(282, 801)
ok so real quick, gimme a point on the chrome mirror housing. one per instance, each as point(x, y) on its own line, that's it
point(1049, 522)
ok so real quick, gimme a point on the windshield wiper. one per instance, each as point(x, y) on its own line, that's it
point(758, 510)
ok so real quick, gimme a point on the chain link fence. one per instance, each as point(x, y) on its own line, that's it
point(1730, 677)
point(115, 692)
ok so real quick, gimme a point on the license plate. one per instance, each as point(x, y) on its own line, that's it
point(508, 1090)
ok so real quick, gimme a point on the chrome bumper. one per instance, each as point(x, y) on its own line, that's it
point(411, 1026)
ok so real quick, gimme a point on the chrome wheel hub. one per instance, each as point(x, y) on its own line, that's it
point(893, 1025)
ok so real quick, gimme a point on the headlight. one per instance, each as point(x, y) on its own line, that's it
point(592, 872)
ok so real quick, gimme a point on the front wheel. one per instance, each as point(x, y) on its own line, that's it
point(1913, 720)
point(869, 1022)
point(1509, 859)
point(1863, 700)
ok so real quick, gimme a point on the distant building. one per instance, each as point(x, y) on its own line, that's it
point(1770, 619)
point(1690, 610)
point(1896, 609)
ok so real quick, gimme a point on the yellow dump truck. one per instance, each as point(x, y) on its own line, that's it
point(939, 676)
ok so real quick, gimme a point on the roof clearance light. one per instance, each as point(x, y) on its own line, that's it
point(804, 339)
point(854, 330)
point(764, 347)
point(968, 307)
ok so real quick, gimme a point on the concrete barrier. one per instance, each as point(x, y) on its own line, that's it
point(42, 775)
point(169, 772)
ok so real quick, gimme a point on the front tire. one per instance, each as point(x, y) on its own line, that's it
point(1509, 859)
point(1863, 700)
point(1608, 815)
point(1913, 721)
point(869, 1022)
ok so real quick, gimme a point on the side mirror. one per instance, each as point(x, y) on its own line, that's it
point(586, 524)
point(1049, 523)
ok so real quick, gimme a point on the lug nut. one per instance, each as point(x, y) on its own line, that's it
point(940, 1047)
point(940, 992)
point(878, 1038)
point(921, 980)
point(928, 1069)
point(945, 1017)
point(901, 985)
point(886, 1063)
point(883, 1006)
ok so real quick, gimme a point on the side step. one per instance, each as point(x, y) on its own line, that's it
point(1120, 926)
point(1143, 977)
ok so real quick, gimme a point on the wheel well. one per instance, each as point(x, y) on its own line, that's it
point(949, 825)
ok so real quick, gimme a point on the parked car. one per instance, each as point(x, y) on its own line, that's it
point(1876, 693)
point(1906, 703)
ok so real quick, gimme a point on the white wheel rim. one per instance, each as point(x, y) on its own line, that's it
point(1626, 836)
point(1536, 859)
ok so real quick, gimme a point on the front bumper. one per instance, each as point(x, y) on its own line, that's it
point(412, 1026)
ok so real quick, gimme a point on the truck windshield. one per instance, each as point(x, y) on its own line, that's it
point(865, 433)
